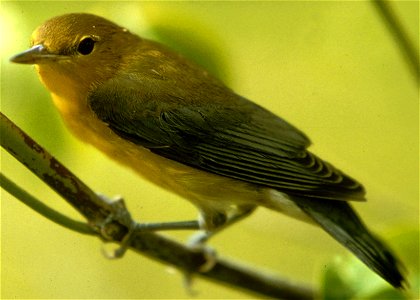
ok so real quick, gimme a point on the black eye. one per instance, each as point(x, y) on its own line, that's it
point(86, 46)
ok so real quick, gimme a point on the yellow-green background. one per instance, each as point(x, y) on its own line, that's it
point(330, 68)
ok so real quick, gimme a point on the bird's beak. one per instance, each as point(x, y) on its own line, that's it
point(38, 54)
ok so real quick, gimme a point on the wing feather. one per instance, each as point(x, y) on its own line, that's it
point(226, 135)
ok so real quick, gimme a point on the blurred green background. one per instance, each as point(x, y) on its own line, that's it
point(330, 68)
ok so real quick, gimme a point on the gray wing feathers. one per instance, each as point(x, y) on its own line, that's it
point(341, 222)
point(224, 134)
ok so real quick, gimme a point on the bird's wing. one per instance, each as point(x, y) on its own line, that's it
point(223, 134)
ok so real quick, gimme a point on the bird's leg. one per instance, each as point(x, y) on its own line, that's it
point(177, 225)
point(218, 223)
point(119, 213)
point(210, 223)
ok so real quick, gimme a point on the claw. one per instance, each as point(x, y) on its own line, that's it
point(211, 259)
point(197, 243)
point(188, 285)
point(119, 213)
point(113, 253)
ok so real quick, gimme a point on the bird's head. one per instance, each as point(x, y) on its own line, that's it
point(77, 49)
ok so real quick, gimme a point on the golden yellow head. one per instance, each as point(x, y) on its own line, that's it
point(77, 49)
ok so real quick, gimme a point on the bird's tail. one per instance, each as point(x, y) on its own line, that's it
point(343, 224)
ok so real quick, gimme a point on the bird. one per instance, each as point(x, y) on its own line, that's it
point(177, 126)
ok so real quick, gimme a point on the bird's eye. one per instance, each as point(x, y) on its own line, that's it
point(86, 46)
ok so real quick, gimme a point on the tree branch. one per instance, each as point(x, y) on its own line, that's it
point(43, 209)
point(97, 212)
point(400, 35)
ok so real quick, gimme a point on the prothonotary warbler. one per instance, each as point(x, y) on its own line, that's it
point(177, 126)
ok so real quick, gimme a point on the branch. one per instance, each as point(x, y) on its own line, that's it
point(43, 209)
point(400, 35)
point(97, 212)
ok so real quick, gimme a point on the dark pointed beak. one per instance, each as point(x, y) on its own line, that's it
point(38, 54)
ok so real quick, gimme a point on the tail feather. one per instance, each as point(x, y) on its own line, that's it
point(342, 223)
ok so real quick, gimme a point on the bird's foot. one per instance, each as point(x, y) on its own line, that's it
point(120, 214)
point(197, 244)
